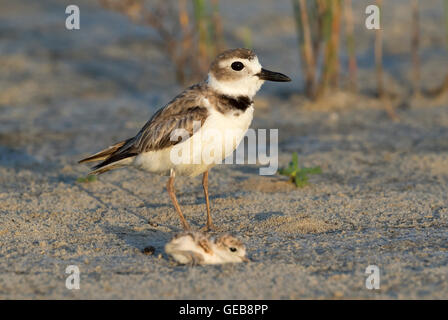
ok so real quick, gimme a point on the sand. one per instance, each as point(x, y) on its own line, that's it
point(381, 199)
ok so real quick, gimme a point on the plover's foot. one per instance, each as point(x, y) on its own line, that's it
point(210, 228)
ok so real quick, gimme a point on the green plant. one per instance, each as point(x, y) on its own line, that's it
point(245, 34)
point(209, 31)
point(305, 37)
point(318, 26)
point(189, 32)
point(87, 179)
point(299, 176)
point(351, 48)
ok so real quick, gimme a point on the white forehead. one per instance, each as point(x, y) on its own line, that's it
point(252, 64)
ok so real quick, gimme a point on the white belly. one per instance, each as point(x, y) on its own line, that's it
point(218, 137)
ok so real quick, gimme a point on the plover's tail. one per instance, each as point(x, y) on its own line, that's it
point(113, 164)
point(112, 158)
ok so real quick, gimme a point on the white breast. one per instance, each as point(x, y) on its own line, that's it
point(214, 141)
point(231, 127)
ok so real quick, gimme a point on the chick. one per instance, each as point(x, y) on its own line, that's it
point(199, 248)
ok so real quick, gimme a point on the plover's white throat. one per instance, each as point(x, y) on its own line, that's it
point(220, 104)
point(199, 248)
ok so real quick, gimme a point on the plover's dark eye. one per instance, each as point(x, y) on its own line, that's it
point(233, 249)
point(237, 66)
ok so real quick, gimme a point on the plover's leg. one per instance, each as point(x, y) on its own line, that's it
point(210, 225)
point(170, 188)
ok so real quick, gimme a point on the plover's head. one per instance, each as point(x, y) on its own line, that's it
point(238, 72)
point(230, 249)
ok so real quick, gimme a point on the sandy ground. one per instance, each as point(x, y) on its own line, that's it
point(381, 200)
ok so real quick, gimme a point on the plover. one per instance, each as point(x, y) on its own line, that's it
point(222, 104)
point(199, 248)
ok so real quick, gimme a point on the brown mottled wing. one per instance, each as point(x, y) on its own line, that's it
point(204, 244)
point(156, 134)
point(181, 113)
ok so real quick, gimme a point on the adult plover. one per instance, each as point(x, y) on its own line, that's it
point(199, 248)
point(220, 106)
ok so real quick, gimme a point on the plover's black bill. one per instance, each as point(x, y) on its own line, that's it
point(273, 76)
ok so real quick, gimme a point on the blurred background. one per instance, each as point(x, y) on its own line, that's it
point(368, 107)
point(136, 47)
